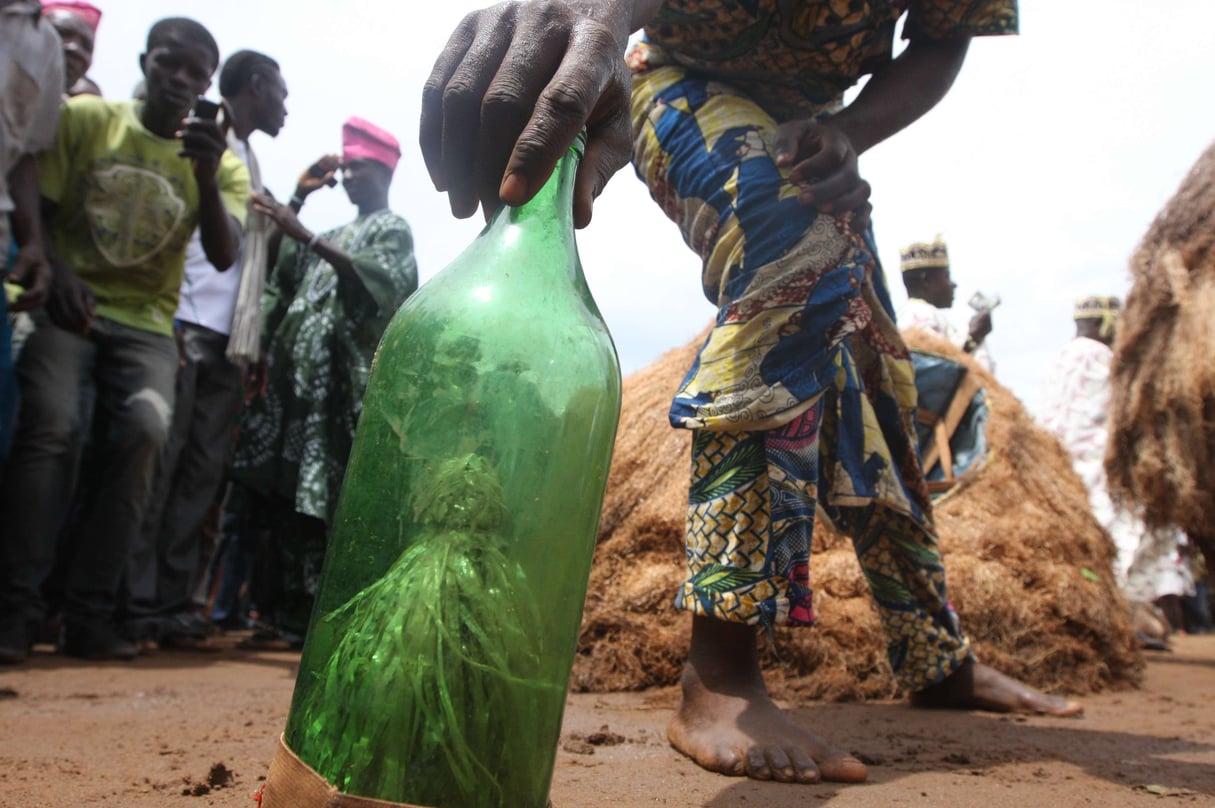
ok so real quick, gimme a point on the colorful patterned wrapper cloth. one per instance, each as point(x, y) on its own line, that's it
point(802, 395)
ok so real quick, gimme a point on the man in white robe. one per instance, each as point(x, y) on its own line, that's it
point(1075, 408)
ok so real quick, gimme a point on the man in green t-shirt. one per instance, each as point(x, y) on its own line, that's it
point(123, 189)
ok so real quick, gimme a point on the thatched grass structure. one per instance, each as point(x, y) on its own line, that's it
point(1161, 454)
point(1029, 568)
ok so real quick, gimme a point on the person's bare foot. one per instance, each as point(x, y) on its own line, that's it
point(978, 687)
point(727, 723)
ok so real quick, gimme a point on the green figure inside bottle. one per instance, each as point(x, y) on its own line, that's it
point(438, 659)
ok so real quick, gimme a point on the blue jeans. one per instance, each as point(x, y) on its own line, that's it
point(131, 373)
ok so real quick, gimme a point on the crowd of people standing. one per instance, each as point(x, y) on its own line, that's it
point(191, 347)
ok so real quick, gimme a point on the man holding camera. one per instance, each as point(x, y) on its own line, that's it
point(216, 342)
point(123, 188)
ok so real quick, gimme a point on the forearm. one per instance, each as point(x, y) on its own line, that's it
point(336, 258)
point(217, 229)
point(49, 210)
point(23, 187)
point(329, 252)
point(274, 242)
point(902, 92)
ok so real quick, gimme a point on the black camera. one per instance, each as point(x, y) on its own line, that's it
point(205, 110)
point(315, 171)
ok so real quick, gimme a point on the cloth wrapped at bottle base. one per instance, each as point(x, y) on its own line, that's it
point(293, 784)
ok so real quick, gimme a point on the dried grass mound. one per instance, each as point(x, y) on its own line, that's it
point(1030, 569)
point(1162, 421)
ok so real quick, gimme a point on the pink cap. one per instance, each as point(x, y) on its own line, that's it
point(363, 139)
point(85, 11)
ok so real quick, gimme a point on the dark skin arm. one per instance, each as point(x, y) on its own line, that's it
point(203, 143)
point(317, 176)
point(823, 156)
point(512, 89)
point(32, 269)
point(70, 304)
point(289, 224)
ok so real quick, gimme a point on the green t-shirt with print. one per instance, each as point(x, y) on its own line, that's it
point(127, 205)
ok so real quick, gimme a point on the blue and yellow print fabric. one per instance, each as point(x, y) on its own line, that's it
point(802, 396)
point(802, 306)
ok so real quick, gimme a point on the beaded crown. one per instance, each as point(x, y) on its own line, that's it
point(924, 254)
point(1099, 307)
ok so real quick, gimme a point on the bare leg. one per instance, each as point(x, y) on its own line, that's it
point(978, 687)
point(727, 723)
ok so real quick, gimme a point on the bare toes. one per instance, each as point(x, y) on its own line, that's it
point(1051, 705)
point(726, 761)
point(843, 770)
point(804, 768)
point(779, 765)
point(757, 764)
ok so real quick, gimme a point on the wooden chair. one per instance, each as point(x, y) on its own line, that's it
point(942, 411)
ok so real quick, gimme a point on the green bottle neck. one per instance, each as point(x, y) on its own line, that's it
point(553, 206)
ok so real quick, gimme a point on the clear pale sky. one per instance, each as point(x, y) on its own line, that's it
point(1042, 168)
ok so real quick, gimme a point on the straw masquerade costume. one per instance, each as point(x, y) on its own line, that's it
point(1162, 444)
point(802, 396)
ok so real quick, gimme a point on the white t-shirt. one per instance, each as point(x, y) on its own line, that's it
point(208, 296)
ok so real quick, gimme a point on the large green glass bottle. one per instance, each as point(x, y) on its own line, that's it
point(438, 658)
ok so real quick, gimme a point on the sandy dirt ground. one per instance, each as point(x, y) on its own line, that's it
point(182, 729)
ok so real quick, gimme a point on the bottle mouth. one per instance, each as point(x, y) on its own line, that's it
point(578, 147)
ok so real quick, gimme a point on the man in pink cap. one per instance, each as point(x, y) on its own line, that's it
point(76, 23)
point(328, 300)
